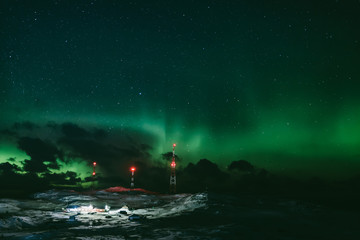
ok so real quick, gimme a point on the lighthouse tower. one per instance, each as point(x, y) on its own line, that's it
point(173, 174)
point(132, 184)
point(93, 176)
point(94, 172)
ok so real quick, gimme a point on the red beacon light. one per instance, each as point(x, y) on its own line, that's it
point(133, 169)
point(94, 173)
point(173, 164)
point(94, 163)
point(174, 145)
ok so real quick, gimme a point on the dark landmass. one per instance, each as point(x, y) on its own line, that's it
point(241, 178)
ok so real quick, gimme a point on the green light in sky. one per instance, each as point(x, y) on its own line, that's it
point(77, 165)
point(10, 153)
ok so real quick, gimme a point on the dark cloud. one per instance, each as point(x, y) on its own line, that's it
point(113, 155)
point(97, 151)
point(26, 125)
point(99, 133)
point(145, 147)
point(68, 178)
point(7, 169)
point(8, 132)
point(52, 125)
point(12, 159)
point(41, 152)
point(74, 131)
point(168, 156)
point(34, 166)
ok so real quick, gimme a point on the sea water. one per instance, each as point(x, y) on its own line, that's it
point(202, 215)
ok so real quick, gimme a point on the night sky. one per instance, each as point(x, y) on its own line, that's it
point(275, 83)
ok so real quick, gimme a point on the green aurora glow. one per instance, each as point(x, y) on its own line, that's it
point(224, 81)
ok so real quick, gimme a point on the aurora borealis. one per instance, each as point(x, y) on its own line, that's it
point(275, 83)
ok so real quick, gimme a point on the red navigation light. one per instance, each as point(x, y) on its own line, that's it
point(174, 145)
point(94, 163)
point(132, 169)
point(173, 164)
point(94, 173)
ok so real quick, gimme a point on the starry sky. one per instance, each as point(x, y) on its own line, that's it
point(275, 83)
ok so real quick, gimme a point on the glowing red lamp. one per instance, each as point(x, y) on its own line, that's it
point(94, 163)
point(174, 145)
point(94, 173)
point(133, 169)
point(173, 164)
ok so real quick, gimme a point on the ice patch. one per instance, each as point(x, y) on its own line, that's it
point(185, 203)
point(8, 208)
point(63, 196)
point(16, 222)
